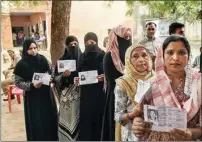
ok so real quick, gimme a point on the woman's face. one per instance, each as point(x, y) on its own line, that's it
point(140, 59)
point(90, 42)
point(73, 43)
point(175, 57)
point(127, 35)
point(82, 77)
point(90, 46)
point(153, 115)
point(11, 54)
point(32, 50)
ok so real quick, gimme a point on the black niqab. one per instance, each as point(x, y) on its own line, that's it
point(71, 52)
point(93, 55)
point(123, 45)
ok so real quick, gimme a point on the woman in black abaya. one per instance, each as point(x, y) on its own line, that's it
point(92, 98)
point(39, 104)
point(119, 41)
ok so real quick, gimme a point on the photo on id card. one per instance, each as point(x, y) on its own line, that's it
point(165, 118)
point(37, 77)
point(151, 114)
point(41, 77)
point(88, 77)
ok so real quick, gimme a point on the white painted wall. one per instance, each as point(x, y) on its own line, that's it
point(95, 16)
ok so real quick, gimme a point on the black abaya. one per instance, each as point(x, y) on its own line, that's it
point(111, 74)
point(39, 104)
point(92, 101)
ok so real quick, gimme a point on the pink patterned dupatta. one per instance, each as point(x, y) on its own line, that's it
point(113, 46)
point(163, 95)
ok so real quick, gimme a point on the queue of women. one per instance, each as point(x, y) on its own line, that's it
point(107, 111)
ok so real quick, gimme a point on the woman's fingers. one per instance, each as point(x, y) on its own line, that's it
point(100, 77)
point(38, 85)
point(67, 73)
point(137, 110)
point(138, 131)
point(76, 80)
point(138, 135)
point(138, 127)
point(138, 120)
point(181, 134)
point(139, 124)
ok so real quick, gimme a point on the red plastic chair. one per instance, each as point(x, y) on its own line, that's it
point(13, 90)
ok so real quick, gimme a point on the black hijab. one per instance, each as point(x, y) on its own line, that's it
point(92, 57)
point(123, 45)
point(26, 67)
point(71, 52)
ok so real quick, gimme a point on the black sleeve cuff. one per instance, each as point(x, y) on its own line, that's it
point(32, 86)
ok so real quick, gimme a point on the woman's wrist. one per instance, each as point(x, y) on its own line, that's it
point(129, 116)
point(195, 132)
point(123, 120)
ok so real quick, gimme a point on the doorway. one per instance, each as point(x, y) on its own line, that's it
point(19, 31)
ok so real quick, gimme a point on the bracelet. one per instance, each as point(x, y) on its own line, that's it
point(121, 121)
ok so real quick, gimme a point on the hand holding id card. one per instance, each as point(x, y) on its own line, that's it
point(41, 77)
point(64, 65)
point(165, 118)
point(88, 77)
